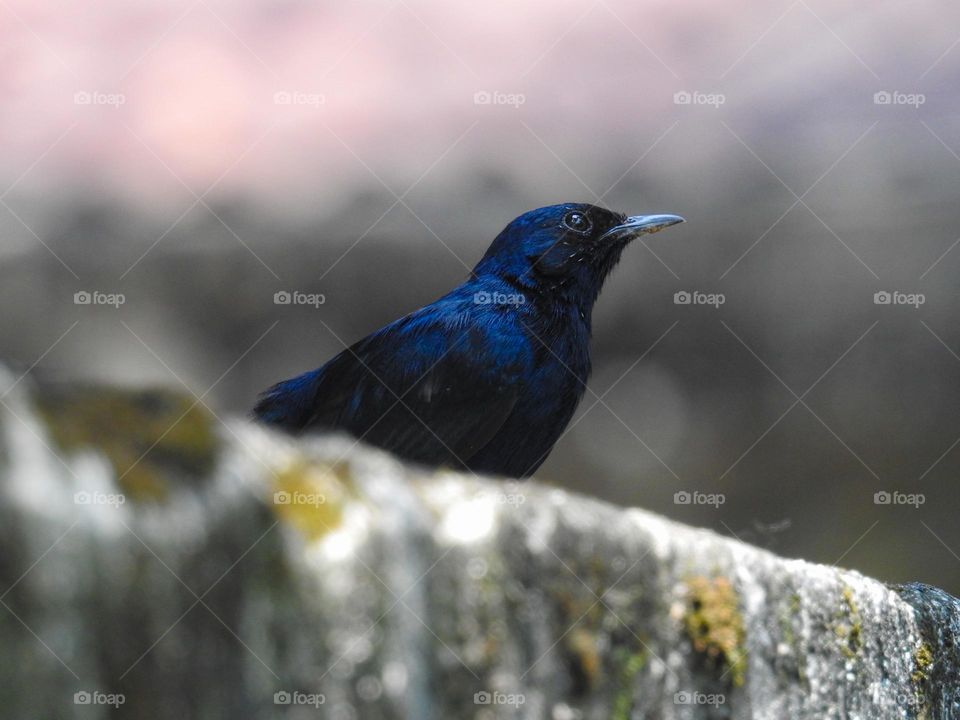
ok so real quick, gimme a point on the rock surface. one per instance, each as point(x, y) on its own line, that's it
point(157, 562)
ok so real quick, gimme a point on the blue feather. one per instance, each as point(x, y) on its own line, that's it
point(487, 377)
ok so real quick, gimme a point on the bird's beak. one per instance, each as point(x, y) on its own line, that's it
point(641, 225)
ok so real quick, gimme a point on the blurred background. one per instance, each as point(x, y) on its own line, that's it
point(168, 167)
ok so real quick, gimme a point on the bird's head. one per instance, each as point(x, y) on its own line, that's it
point(566, 249)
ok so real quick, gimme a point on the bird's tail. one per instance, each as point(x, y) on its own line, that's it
point(288, 404)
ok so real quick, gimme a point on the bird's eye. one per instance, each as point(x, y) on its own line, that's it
point(577, 221)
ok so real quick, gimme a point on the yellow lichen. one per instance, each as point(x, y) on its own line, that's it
point(583, 647)
point(310, 496)
point(148, 436)
point(715, 625)
point(923, 658)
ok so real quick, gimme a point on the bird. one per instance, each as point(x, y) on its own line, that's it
point(486, 378)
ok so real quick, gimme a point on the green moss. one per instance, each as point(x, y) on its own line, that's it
point(629, 664)
point(311, 496)
point(715, 625)
point(795, 602)
point(786, 630)
point(849, 629)
point(150, 437)
point(788, 618)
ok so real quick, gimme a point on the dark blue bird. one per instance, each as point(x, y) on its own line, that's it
point(487, 377)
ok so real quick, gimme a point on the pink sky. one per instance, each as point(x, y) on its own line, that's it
point(183, 94)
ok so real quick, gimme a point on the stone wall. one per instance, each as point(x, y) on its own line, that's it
point(158, 562)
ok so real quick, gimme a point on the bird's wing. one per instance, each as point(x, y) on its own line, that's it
point(427, 390)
